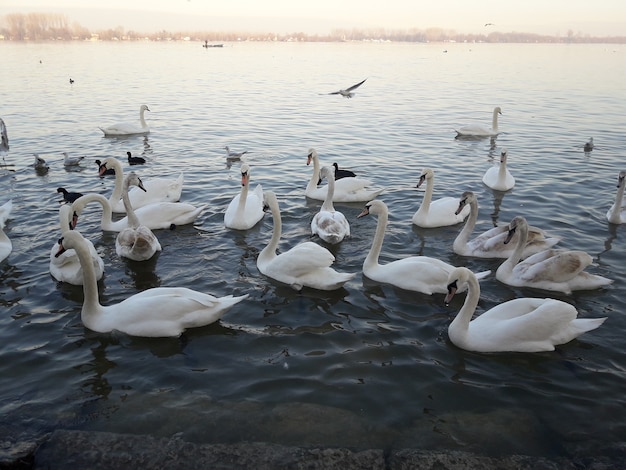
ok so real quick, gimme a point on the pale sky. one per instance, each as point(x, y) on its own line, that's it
point(598, 18)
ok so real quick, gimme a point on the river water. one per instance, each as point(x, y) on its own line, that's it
point(364, 366)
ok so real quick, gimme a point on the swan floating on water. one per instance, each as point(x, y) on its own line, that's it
point(4, 137)
point(490, 244)
point(349, 189)
point(555, 270)
point(480, 130)
point(499, 177)
point(246, 209)
point(329, 224)
point(66, 267)
point(438, 213)
point(128, 128)
point(156, 312)
point(415, 273)
point(157, 189)
point(519, 325)
point(5, 242)
point(136, 242)
point(305, 265)
point(158, 215)
point(617, 213)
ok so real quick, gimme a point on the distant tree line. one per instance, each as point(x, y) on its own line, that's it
point(54, 26)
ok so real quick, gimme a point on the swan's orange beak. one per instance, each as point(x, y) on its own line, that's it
point(451, 291)
point(364, 212)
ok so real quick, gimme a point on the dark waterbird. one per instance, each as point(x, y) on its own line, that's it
point(68, 196)
point(135, 160)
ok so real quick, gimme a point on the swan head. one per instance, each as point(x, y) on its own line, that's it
point(245, 174)
point(374, 207)
point(427, 174)
point(466, 198)
point(68, 241)
point(269, 199)
point(327, 173)
point(503, 156)
point(133, 180)
point(143, 108)
point(515, 224)
point(497, 110)
point(620, 178)
point(312, 155)
point(456, 281)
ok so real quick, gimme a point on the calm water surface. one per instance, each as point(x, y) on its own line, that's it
point(364, 366)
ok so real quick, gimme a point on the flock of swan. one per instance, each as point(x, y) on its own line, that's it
point(530, 259)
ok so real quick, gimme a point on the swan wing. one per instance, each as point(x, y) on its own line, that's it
point(554, 266)
point(163, 311)
point(303, 258)
point(331, 227)
point(160, 215)
point(5, 212)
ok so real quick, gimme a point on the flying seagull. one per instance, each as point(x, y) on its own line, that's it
point(489, 24)
point(347, 93)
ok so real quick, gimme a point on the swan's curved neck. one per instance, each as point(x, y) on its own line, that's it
point(377, 243)
point(116, 195)
point(315, 177)
point(494, 121)
point(243, 197)
point(133, 220)
point(107, 213)
point(91, 303)
point(141, 118)
point(428, 195)
point(328, 201)
point(269, 252)
point(516, 255)
point(502, 170)
point(460, 324)
point(616, 211)
point(463, 237)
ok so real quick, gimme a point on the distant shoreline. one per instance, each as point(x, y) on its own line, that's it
point(58, 27)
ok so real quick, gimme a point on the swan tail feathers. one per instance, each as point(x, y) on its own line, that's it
point(483, 274)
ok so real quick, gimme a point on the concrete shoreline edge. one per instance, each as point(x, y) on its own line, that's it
point(63, 449)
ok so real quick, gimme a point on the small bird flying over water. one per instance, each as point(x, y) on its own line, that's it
point(347, 92)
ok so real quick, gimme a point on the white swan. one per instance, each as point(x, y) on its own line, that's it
point(480, 130)
point(136, 242)
point(157, 189)
point(129, 128)
point(306, 264)
point(490, 244)
point(350, 189)
point(617, 213)
point(66, 267)
point(330, 225)
point(414, 273)
point(520, 325)
point(5, 242)
point(438, 213)
point(499, 177)
point(246, 209)
point(156, 312)
point(154, 216)
point(555, 270)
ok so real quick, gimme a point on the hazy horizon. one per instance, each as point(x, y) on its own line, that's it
point(606, 19)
